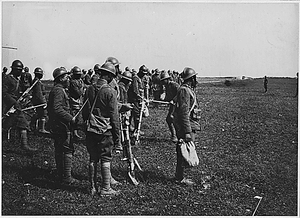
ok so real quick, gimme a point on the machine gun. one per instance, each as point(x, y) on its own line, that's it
point(127, 149)
point(22, 99)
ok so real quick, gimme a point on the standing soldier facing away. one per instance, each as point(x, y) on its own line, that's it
point(100, 144)
point(11, 94)
point(60, 122)
point(171, 91)
point(76, 91)
point(185, 119)
point(266, 83)
point(38, 97)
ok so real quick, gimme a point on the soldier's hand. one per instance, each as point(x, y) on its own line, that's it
point(44, 107)
point(74, 120)
point(188, 137)
point(125, 107)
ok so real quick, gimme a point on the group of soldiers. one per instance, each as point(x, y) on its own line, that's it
point(95, 102)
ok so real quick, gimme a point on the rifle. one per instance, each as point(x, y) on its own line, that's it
point(81, 108)
point(127, 149)
point(137, 132)
point(35, 106)
point(21, 99)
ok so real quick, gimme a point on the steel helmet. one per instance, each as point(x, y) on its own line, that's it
point(17, 64)
point(127, 75)
point(108, 67)
point(188, 73)
point(113, 60)
point(97, 67)
point(143, 69)
point(59, 72)
point(38, 70)
point(76, 70)
point(164, 75)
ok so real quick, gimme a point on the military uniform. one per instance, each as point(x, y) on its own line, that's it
point(184, 122)
point(100, 145)
point(107, 107)
point(39, 97)
point(60, 117)
point(10, 94)
point(87, 79)
point(25, 81)
point(76, 91)
point(156, 86)
point(171, 91)
point(146, 83)
point(135, 96)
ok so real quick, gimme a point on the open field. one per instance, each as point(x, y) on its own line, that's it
point(248, 146)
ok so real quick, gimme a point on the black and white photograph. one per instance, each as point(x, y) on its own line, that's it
point(150, 108)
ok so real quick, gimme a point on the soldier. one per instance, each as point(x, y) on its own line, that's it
point(60, 122)
point(87, 78)
point(38, 97)
point(76, 91)
point(96, 75)
point(11, 94)
point(146, 83)
point(124, 85)
point(156, 86)
point(171, 91)
point(185, 119)
point(100, 144)
point(25, 80)
point(135, 96)
point(266, 83)
point(4, 70)
point(114, 83)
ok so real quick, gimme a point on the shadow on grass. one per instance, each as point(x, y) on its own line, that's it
point(145, 176)
point(45, 178)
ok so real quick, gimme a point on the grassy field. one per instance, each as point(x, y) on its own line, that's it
point(248, 146)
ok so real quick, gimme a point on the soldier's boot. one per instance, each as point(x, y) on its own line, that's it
point(24, 141)
point(179, 174)
point(106, 189)
point(67, 168)
point(59, 165)
point(113, 181)
point(42, 124)
point(93, 177)
point(173, 132)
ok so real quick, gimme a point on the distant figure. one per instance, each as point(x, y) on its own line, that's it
point(25, 80)
point(4, 70)
point(266, 84)
point(297, 85)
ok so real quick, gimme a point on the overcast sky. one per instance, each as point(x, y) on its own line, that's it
point(216, 39)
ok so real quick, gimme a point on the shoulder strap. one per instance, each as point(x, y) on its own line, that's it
point(193, 96)
point(95, 99)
